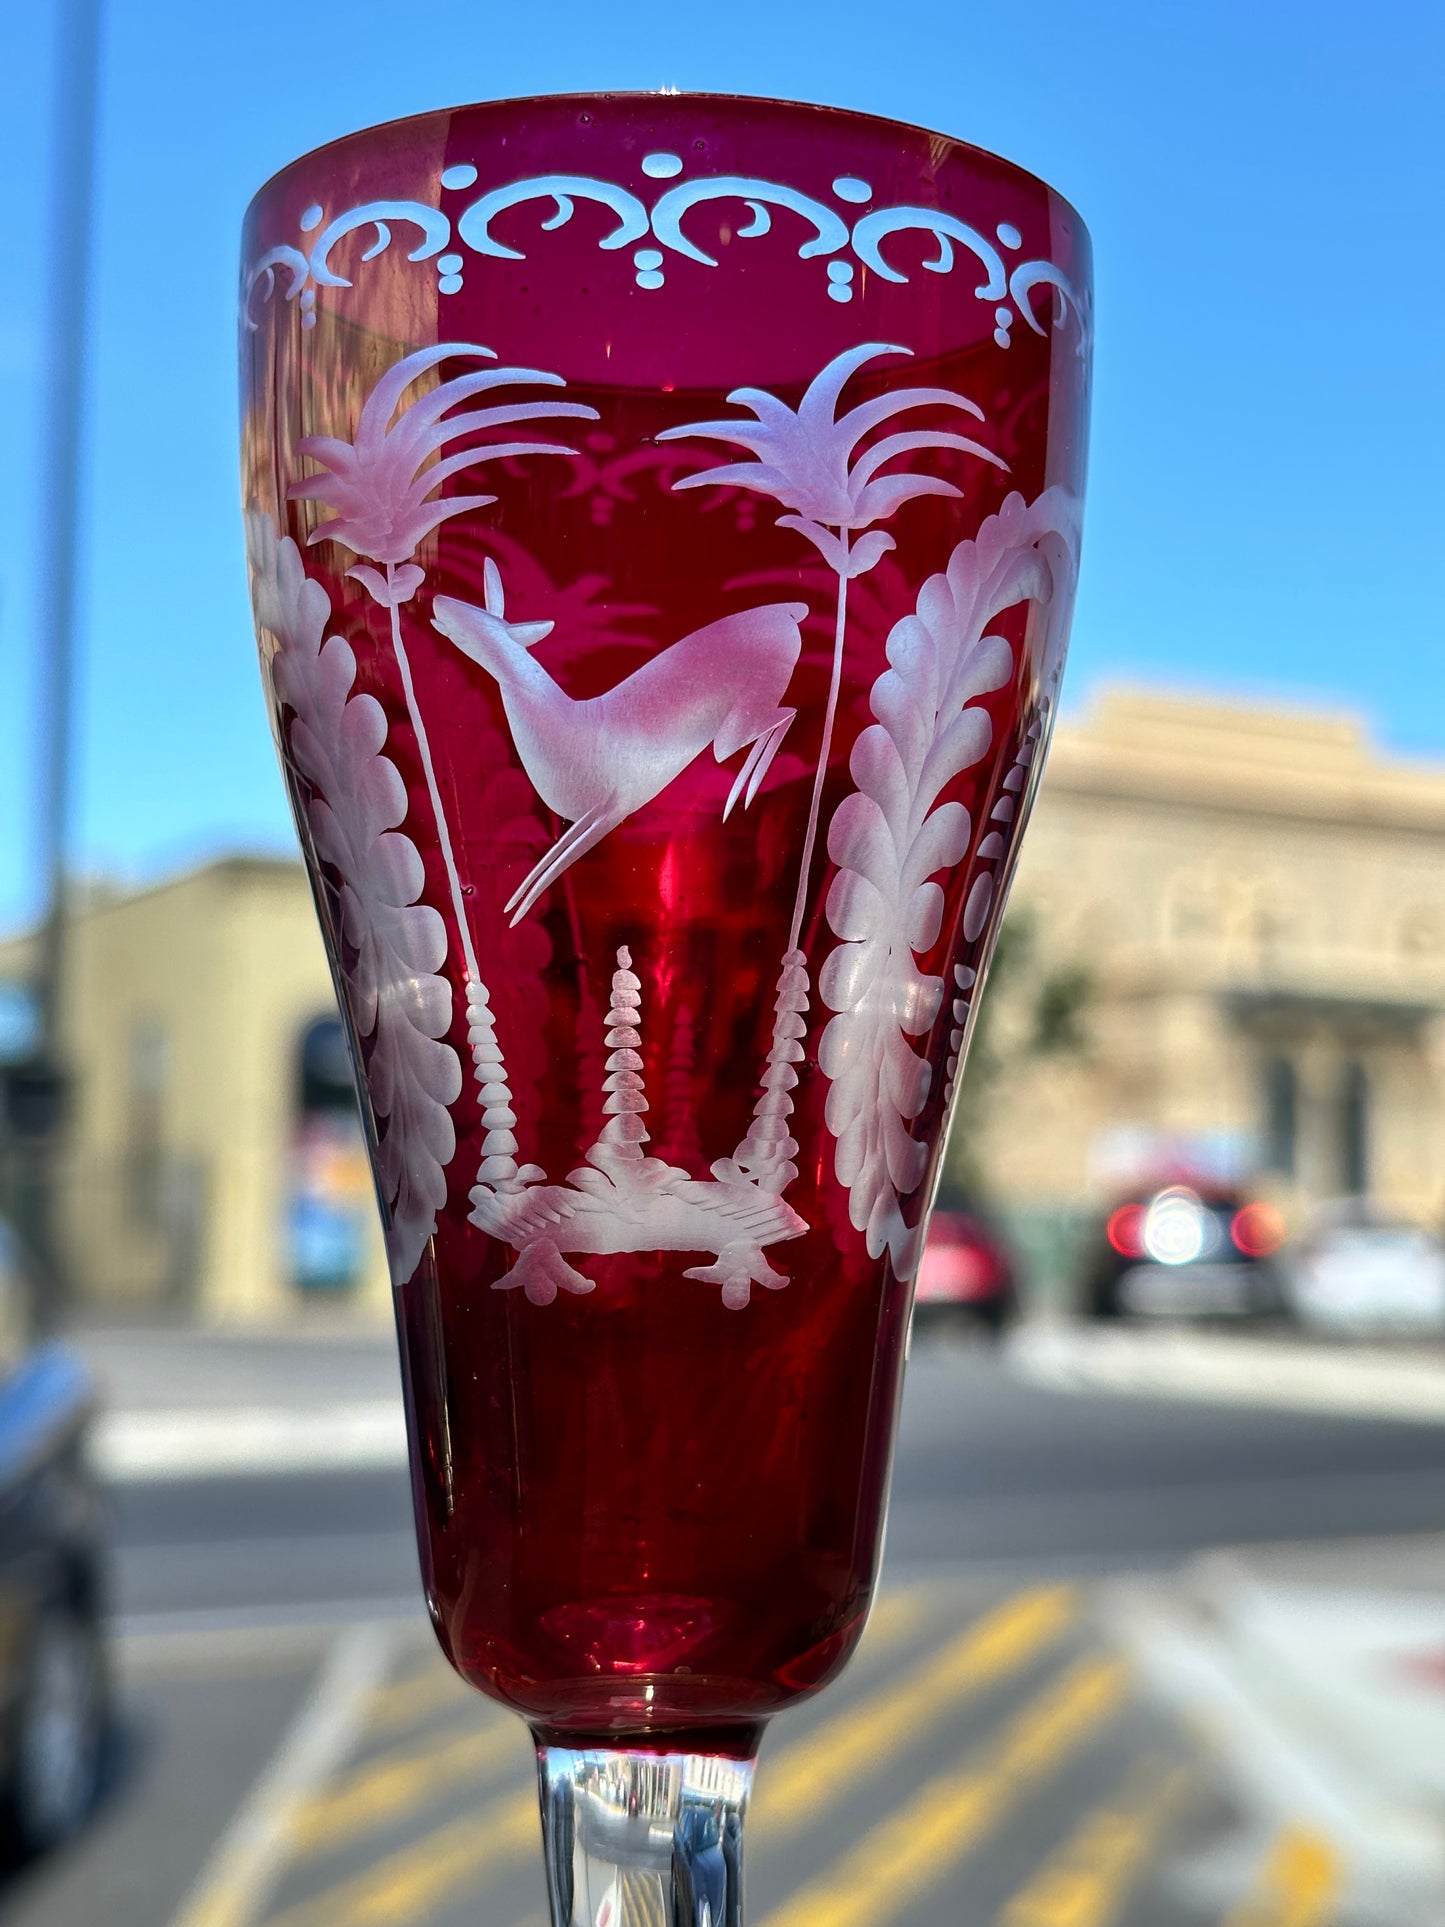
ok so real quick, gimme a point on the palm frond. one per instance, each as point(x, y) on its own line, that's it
point(805, 458)
point(382, 483)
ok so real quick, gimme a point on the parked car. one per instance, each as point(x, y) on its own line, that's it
point(53, 1674)
point(965, 1276)
point(1186, 1251)
point(1359, 1272)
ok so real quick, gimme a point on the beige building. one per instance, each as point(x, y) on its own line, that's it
point(1257, 899)
point(213, 1159)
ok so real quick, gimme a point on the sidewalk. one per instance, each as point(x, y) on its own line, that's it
point(1280, 1370)
point(1318, 1674)
point(180, 1403)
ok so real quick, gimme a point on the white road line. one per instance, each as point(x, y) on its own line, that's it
point(187, 1443)
point(238, 1879)
point(1281, 1761)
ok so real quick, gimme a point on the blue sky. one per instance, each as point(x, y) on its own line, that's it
point(1262, 182)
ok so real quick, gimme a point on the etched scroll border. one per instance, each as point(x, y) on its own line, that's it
point(1004, 281)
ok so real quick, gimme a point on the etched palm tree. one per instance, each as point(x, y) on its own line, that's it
point(807, 460)
point(384, 484)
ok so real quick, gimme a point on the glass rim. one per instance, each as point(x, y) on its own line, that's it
point(660, 94)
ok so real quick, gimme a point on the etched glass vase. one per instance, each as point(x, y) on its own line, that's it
point(663, 516)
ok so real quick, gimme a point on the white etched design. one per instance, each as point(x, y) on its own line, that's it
point(946, 229)
point(892, 836)
point(622, 1200)
point(564, 191)
point(829, 235)
point(382, 486)
point(310, 269)
point(597, 760)
point(830, 231)
point(401, 1005)
point(807, 460)
point(964, 978)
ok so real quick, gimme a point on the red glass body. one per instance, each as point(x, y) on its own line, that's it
point(643, 1511)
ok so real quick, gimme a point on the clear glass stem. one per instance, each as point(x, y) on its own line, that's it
point(631, 1838)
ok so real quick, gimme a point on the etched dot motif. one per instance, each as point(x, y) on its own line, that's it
point(463, 175)
point(975, 911)
point(311, 218)
point(849, 188)
point(1004, 318)
point(840, 280)
point(308, 307)
point(661, 167)
point(648, 262)
point(1008, 234)
point(449, 268)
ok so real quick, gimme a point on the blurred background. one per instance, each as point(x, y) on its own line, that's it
point(1164, 1616)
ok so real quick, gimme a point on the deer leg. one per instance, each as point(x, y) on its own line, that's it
point(572, 843)
point(769, 747)
point(759, 760)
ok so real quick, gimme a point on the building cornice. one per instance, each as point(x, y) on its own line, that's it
point(1168, 752)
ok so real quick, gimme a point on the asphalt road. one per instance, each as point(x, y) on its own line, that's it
point(991, 1476)
point(1033, 1783)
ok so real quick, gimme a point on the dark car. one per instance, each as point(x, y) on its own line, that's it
point(965, 1277)
point(53, 1687)
point(702, 1867)
point(1186, 1251)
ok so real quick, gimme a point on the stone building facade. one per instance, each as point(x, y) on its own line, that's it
point(1257, 898)
point(214, 1165)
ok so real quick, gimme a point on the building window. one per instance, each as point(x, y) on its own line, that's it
point(1355, 1131)
point(147, 1078)
point(326, 1082)
point(329, 1204)
point(1281, 1115)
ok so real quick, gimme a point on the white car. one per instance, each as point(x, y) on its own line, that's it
point(1359, 1274)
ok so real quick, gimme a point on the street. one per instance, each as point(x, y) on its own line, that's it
point(1004, 1752)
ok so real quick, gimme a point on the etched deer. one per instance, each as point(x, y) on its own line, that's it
point(596, 760)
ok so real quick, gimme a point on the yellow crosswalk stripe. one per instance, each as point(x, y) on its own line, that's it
point(406, 1886)
point(1298, 1884)
point(384, 1789)
point(909, 1852)
point(895, 1617)
point(852, 1746)
point(406, 1701)
point(403, 1887)
point(1090, 1877)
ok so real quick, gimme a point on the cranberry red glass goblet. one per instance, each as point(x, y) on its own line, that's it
point(663, 519)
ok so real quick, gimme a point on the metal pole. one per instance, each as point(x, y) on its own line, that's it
point(77, 62)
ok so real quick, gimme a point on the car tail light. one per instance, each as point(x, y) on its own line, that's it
point(1257, 1230)
point(1125, 1230)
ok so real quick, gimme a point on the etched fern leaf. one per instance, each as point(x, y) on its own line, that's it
point(401, 1005)
point(892, 836)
